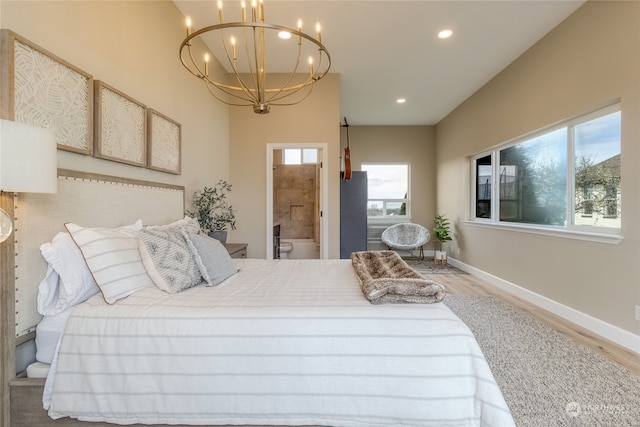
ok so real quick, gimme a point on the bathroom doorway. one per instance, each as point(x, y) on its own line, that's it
point(296, 197)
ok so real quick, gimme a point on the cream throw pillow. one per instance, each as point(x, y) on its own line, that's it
point(113, 258)
point(186, 224)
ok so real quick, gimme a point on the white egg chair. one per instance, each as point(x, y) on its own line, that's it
point(406, 237)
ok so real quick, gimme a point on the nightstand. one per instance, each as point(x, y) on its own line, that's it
point(237, 250)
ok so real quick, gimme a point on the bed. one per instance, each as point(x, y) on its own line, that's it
point(276, 342)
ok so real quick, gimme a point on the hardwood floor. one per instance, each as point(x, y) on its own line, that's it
point(466, 284)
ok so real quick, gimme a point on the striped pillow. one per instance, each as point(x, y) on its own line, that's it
point(113, 258)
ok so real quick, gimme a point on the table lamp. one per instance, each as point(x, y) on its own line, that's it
point(28, 163)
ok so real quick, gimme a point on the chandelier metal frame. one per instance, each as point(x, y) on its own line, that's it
point(251, 88)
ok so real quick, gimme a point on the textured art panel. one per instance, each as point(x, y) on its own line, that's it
point(45, 91)
point(164, 143)
point(120, 126)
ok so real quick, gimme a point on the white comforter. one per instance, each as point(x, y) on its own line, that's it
point(290, 342)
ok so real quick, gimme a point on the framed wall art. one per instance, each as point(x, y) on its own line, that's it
point(164, 143)
point(120, 126)
point(43, 90)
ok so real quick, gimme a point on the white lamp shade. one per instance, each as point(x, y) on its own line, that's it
point(28, 158)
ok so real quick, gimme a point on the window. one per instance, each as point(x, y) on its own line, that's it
point(566, 176)
point(597, 171)
point(484, 177)
point(532, 180)
point(299, 156)
point(388, 190)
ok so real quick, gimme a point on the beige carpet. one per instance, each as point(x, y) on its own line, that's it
point(546, 377)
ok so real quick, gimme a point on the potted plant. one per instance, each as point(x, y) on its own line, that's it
point(212, 210)
point(441, 234)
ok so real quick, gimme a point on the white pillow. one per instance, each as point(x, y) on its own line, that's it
point(113, 257)
point(168, 260)
point(186, 224)
point(214, 261)
point(68, 281)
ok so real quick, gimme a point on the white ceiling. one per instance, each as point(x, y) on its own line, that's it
point(384, 50)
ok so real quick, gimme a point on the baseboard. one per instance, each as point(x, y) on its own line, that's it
point(606, 330)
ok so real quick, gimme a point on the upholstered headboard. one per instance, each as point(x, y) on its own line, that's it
point(87, 199)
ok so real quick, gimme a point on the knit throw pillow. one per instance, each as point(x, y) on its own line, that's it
point(168, 260)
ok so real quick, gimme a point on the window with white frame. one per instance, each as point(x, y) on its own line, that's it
point(299, 156)
point(388, 191)
point(565, 176)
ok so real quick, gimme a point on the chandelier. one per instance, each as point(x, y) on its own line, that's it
point(245, 44)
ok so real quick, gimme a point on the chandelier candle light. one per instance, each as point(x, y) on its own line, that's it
point(250, 83)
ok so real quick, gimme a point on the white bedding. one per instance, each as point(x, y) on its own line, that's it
point(288, 342)
point(38, 370)
point(48, 333)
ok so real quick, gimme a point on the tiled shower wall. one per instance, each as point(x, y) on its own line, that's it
point(294, 200)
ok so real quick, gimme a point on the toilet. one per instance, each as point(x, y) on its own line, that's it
point(285, 248)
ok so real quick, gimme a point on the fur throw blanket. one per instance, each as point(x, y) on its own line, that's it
point(386, 279)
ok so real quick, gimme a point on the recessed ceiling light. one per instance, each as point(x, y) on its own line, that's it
point(445, 34)
point(401, 100)
point(284, 35)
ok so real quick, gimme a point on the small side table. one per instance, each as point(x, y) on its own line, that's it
point(236, 250)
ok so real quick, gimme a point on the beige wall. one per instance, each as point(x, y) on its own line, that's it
point(591, 59)
point(315, 120)
point(132, 46)
point(411, 144)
